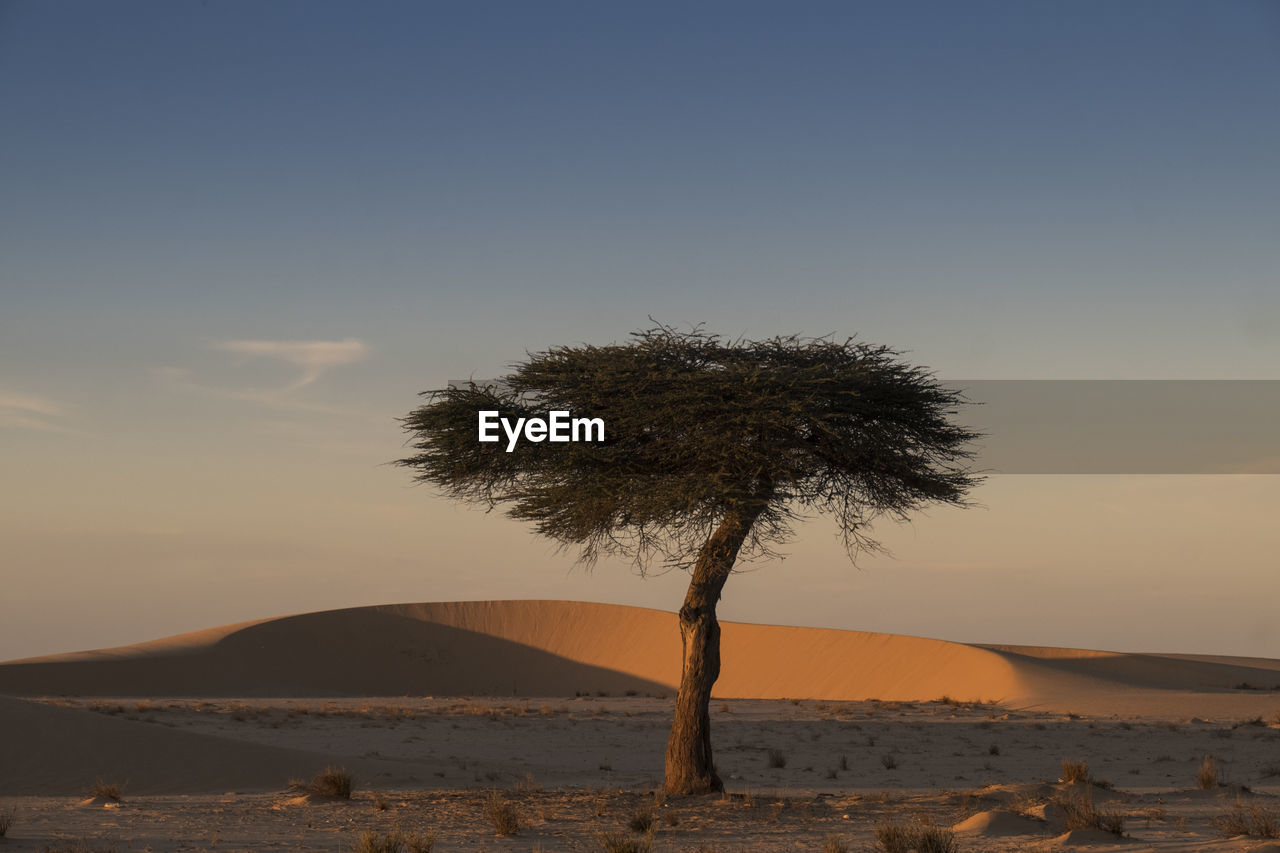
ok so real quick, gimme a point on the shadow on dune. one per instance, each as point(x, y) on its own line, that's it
point(1160, 672)
point(62, 751)
point(356, 652)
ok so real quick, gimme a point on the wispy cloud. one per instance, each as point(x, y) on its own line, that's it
point(28, 411)
point(313, 357)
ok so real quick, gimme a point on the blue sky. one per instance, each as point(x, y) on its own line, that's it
point(237, 238)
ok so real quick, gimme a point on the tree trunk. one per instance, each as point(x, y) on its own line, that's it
point(690, 769)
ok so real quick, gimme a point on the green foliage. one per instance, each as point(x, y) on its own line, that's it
point(700, 430)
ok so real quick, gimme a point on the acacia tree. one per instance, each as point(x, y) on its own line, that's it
point(713, 448)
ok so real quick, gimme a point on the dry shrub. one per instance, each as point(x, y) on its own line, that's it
point(777, 758)
point(1248, 820)
point(1079, 812)
point(1074, 772)
point(396, 842)
point(1157, 813)
point(642, 821)
point(502, 814)
point(333, 782)
point(617, 842)
point(1208, 776)
point(6, 821)
point(103, 790)
point(1024, 805)
point(916, 836)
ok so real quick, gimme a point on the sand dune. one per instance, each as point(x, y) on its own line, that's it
point(529, 649)
point(557, 648)
point(65, 750)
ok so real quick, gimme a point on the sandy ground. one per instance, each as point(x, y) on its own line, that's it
point(891, 731)
point(578, 767)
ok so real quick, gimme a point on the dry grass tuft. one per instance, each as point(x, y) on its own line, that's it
point(1024, 805)
point(395, 842)
point(502, 814)
point(6, 821)
point(617, 842)
point(333, 782)
point(1248, 820)
point(103, 790)
point(528, 785)
point(642, 821)
point(917, 836)
point(1075, 772)
point(834, 844)
point(777, 758)
point(1081, 813)
point(1208, 776)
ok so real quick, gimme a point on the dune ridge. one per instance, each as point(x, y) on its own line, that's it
point(557, 648)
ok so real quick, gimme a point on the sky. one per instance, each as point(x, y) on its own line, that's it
point(237, 239)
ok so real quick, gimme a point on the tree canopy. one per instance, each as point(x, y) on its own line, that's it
point(696, 427)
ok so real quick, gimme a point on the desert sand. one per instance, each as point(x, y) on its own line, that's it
point(822, 736)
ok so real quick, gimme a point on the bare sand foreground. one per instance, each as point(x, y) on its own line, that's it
point(561, 708)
